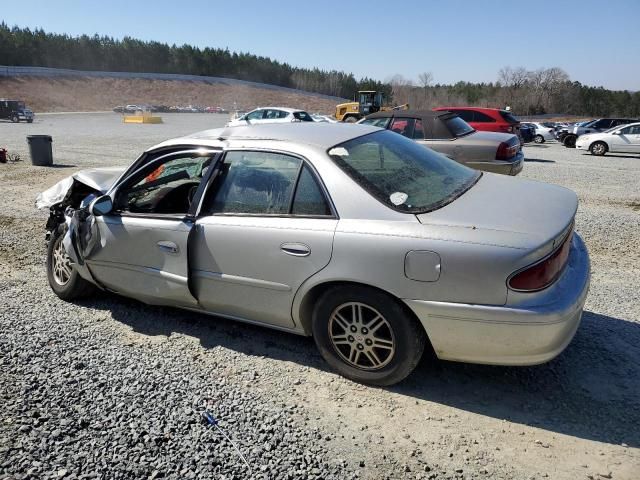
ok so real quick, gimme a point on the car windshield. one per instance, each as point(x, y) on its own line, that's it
point(588, 124)
point(402, 174)
point(458, 127)
point(508, 117)
point(303, 116)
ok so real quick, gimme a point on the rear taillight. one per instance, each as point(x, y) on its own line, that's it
point(542, 274)
point(506, 151)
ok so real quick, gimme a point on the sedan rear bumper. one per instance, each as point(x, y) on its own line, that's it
point(511, 335)
point(505, 167)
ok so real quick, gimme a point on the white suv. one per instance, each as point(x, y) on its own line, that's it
point(271, 115)
point(622, 139)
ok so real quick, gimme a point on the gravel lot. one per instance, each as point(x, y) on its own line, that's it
point(105, 388)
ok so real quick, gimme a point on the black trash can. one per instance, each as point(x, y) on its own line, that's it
point(40, 150)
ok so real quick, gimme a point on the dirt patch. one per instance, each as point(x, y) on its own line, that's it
point(86, 94)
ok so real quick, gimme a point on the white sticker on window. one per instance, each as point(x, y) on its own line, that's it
point(398, 198)
point(339, 151)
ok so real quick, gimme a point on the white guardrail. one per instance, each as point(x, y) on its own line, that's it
point(8, 71)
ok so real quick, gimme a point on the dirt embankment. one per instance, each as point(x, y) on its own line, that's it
point(85, 94)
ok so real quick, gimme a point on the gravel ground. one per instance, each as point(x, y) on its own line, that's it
point(105, 388)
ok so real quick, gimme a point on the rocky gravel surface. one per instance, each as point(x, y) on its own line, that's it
point(107, 387)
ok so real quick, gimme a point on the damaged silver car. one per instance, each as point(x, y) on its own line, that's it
point(370, 243)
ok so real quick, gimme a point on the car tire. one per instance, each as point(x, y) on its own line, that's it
point(15, 119)
point(598, 148)
point(63, 278)
point(538, 139)
point(570, 141)
point(351, 119)
point(30, 121)
point(367, 335)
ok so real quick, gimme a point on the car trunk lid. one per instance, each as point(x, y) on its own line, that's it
point(511, 212)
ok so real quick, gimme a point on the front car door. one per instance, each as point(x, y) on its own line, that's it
point(267, 227)
point(142, 250)
point(627, 141)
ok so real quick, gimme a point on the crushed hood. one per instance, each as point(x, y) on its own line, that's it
point(98, 179)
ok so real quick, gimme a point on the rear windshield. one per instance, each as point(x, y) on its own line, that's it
point(402, 174)
point(458, 127)
point(303, 116)
point(508, 117)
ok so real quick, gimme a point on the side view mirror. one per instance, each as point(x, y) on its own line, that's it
point(616, 132)
point(101, 206)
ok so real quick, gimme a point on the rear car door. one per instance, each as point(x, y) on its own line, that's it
point(142, 249)
point(267, 227)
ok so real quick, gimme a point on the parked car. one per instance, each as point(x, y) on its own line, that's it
point(317, 117)
point(620, 139)
point(544, 131)
point(15, 110)
point(119, 109)
point(448, 134)
point(487, 119)
point(359, 237)
point(594, 126)
point(527, 132)
point(271, 115)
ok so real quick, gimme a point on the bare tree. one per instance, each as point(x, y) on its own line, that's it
point(425, 79)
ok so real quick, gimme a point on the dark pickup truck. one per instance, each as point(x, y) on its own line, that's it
point(15, 110)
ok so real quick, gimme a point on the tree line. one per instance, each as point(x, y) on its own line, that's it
point(25, 47)
point(527, 92)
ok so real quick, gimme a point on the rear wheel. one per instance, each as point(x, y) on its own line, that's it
point(366, 335)
point(538, 139)
point(598, 148)
point(351, 119)
point(63, 278)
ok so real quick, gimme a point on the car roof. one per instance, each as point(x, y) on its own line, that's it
point(477, 109)
point(409, 114)
point(286, 109)
point(324, 135)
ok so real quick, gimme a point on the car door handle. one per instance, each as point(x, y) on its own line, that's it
point(168, 247)
point(296, 249)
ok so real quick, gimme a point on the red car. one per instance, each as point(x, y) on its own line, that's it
point(487, 119)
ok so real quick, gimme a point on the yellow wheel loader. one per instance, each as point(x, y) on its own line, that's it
point(369, 101)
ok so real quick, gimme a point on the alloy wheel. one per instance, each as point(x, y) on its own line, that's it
point(361, 336)
point(61, 267)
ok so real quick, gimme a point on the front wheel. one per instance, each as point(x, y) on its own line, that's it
point(15, 119)
point(63, 278)
point(598, 148)
point(570, 141)
point(351, 119)
point(538, 139)
point(366, 335)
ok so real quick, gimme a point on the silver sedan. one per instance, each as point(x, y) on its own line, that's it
point(447, 133)
point(372, 244)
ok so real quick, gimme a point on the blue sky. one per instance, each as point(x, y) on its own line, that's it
point(595, 42)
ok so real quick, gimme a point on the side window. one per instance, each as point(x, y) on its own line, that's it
point(418, 131)
point(309, 199)
point(482, 117)
point(403, 126)
point(256, 115)
point(635, 130)
point(282, 114)
point(167, 188)
point(255, 183)
point(376, 122)
point(466, 115)
point(602, 124)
